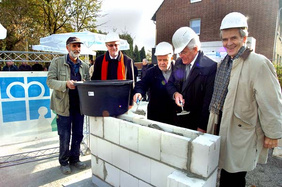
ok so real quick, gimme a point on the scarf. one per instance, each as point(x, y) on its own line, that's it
point(221, 82)
point(120, 68)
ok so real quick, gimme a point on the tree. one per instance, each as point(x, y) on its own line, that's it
point(142, 53)
point(129, 39)
point(136, 54)
point(28, 20)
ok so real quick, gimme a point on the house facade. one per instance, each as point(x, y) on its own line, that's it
point(204, 17)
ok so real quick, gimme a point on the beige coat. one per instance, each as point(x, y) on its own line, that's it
point(58, 75)
point(252, 110)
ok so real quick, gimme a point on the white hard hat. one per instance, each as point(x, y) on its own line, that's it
point(112, 37)
point(182, 37)
point(234, 20)
point(164, 48)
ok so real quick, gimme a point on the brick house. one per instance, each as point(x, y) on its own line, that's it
point(205, 16)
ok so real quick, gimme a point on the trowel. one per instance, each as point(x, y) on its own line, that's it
point(183, 112)
point(138, 111)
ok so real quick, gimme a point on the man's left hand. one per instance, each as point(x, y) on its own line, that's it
point(270, 143)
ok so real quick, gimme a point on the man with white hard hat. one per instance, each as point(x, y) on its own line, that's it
point(192, 79)
point(246, 104)
point(160, 107)
point(113, 64)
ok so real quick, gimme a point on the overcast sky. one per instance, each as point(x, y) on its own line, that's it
point(133, 17)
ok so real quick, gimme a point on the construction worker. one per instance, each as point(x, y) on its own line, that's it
point(160, 107)
point(246, 104)
point(192, 79)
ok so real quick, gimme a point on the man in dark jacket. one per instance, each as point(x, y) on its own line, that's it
point(192, 80)
point(160, 107)
point(10, 66)
point(113, 64)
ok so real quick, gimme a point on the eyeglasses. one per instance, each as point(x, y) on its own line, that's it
point(112, 45)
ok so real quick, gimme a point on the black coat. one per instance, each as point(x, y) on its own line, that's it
point(112, 69)
point(197, 90)
point(161, 107)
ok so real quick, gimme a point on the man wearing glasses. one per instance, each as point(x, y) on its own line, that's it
point(113, 64)
point(191, 82)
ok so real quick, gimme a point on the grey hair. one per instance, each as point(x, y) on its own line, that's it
point(194, 42)
point(242, 31)
point(145, 59)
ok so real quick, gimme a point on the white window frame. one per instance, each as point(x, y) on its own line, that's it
point(190, 23)
point(195, 1)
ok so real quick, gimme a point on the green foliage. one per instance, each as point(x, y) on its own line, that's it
point(136, 54)
point(279, 73)
point(142, 53)
point(129, 39)
point(27, 21)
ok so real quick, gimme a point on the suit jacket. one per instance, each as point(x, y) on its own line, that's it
point(196, 90)
point(160, 107)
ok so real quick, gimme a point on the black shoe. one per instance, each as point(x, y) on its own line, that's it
point(66, 169)
point(79, 165)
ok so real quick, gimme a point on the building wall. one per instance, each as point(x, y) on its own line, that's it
point(262, 14)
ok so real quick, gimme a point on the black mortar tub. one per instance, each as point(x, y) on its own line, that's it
point(104, 97)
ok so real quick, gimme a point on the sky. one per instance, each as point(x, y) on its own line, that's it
point(132, 17)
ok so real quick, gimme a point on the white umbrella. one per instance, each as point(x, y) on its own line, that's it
point(3, 32)
point(91, 42)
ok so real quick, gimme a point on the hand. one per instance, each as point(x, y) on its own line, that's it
point(137, 95)
point(179, 101)
point(270, 143)
point(70, 84)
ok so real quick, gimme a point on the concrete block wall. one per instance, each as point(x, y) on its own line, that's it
point(129, 151)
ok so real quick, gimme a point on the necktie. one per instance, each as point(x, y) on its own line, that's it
point(187, 70)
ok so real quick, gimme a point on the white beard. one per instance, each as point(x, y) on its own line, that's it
point(74, 55)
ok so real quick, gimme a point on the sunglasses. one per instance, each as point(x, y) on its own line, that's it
point(112, 45)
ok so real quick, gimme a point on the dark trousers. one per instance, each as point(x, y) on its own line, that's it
point(70, 127)
point(232, 179)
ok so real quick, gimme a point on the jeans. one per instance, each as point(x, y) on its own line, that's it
point(70, 127)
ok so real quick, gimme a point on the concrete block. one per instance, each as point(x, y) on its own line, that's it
point(174, 150)
point(139, 166)
point(105, 150)
point(180, 179)
point(186, 132)
point(97, 126)
point(150, 142)
point(159, 173)
point(120, 157)
point(205, 154)
point(111, 129)
point(129, 135)
point(127, 180)
point(111, 175)
point(98, 182)
point(143, 184)
point(94, 145)
point(97, 166)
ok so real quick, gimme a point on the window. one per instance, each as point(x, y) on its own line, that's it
point(194, 1)
point(195, 24)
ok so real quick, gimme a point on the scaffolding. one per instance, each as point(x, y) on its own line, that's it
point(28, 56)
